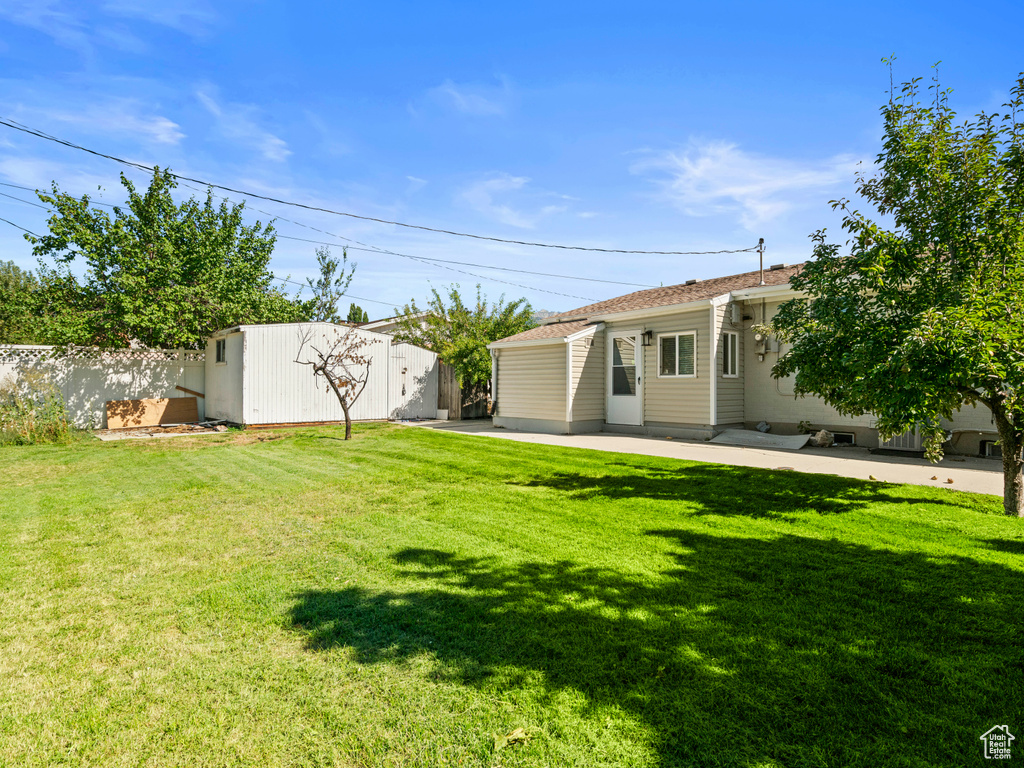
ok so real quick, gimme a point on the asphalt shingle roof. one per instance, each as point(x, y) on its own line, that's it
point(567, 323)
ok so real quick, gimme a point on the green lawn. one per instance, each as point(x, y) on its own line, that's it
point(403, 599)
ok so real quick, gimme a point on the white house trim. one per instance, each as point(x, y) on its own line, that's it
point(668, 309)
point(590, 330)
point(526, 343)
point(768, 292)
point(714, 304)
point(568, 381)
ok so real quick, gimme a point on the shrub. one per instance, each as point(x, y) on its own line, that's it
point(32, 411)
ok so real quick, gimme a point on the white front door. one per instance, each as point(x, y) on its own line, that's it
point(625, 402)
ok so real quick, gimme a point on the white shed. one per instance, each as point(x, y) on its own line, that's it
point(252, 376)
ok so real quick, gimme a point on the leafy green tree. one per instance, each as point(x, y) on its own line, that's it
point(335, 278)
point(18, 288)
point(459, 333)
point(924, 318)
point(357, 314)
point(156, 272)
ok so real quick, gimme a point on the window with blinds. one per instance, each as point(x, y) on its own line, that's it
point(677, 355)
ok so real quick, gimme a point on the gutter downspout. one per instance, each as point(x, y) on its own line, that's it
point(568, 383)
point(494, 381)
point(713, 411)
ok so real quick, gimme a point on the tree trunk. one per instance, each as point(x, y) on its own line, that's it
point(1011, 443)
point(348, 419)
point(344, 404)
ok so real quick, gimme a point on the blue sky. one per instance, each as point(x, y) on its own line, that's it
point(648, 126)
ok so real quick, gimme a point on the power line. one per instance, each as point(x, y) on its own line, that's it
point(18, 226)
point(26, 202)
point(348, 295)
point(468, 263)
point(281, 279)
point(141, 166)
point(374, 249)
point(371, 249)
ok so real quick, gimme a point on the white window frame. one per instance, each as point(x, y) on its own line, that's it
point(676, 336)
point(734, 347)
point(221, 359)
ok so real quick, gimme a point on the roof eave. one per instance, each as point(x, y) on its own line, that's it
point(590, 330)
point(667, 309)
point(767, 292)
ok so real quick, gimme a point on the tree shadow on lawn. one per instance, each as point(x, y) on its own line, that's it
point(748, 651)
point(717, 489)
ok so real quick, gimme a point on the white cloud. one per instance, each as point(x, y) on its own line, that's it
point(469, 99)
point(415, 184)
point(719, 178)
point(19, 168)
point(122, 117)
point(52, 18)
point(66, 23)
point(236, 123)
point(480, 197)
point(526, 208)
point(190, 16)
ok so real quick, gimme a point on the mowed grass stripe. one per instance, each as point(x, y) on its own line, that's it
point(402, 598)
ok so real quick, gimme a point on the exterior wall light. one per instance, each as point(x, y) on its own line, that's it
point(648, 338)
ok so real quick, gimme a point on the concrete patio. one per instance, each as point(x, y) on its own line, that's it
point(972, 474)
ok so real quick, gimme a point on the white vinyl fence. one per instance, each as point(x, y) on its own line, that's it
point(88, 377)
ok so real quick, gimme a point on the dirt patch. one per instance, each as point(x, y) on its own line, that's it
point(142, 433)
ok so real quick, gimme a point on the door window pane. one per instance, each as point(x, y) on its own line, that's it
point(624, 380)
point(624, 366)
point(623, 351)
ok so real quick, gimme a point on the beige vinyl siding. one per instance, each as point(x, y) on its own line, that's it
point(772, 399)
point(588, 377)
point(531, 382)
point(675, 400)
point(729, 391)
point(972, 418)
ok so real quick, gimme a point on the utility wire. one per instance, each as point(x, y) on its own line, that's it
point(141, 166)
point(18, 226)
point(281, 279)
point(468, 263)
point(26, 202)
point(373, 249)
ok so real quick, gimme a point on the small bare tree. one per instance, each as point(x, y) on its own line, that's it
point(341, 363)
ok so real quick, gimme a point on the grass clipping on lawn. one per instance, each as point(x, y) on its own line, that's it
point(412, 598)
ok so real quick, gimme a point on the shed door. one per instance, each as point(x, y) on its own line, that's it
point(624, 385)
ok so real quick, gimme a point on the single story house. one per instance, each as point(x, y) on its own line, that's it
point(252, 376)
point(679, 360)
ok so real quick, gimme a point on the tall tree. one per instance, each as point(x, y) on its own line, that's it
point(357, 314)
point(335, 278)
point(156, 272)
point(18, 289)
point(459, 333)
point(924, 318)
